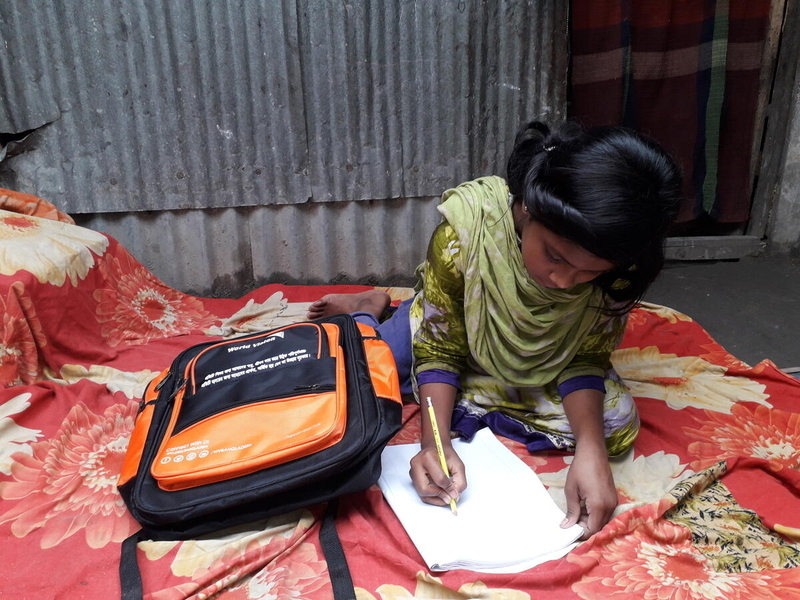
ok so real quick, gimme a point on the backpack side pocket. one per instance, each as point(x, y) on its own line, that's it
point(141, 427)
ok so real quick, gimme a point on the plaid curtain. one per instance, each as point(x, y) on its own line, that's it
point(685, 72)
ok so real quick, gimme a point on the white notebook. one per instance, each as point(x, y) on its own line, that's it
point(506, 522)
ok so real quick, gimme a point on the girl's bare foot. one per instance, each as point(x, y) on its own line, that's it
point(371, 301)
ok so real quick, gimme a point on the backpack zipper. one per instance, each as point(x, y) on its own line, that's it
point(305, 390)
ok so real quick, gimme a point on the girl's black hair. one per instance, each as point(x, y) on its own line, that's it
point(611, 190)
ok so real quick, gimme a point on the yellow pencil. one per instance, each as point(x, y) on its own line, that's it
point(440, 450)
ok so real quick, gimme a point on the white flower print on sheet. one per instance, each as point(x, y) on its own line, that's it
point(13, 437)
point(684, 381)
point(53, 251)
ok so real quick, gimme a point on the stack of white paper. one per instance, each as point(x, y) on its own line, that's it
point(506, 523)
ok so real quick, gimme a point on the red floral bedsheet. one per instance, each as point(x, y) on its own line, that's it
point(709, 494)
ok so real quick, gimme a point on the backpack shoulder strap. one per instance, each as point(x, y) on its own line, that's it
point(332, 549)
point(131, 578)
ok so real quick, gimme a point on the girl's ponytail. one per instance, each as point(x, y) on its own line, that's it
point(536, 146)
point(525, 157)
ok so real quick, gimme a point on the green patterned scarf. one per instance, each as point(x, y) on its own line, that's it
point(519, 332)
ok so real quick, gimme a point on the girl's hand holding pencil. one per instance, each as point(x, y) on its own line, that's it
point(437, 438)
point(437, 471)
point(430, 481)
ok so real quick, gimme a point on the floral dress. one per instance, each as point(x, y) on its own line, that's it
point(533, 415)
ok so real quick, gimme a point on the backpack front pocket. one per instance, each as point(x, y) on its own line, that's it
point(252, 403)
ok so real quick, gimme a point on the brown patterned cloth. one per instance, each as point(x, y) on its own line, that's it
point(686, 73)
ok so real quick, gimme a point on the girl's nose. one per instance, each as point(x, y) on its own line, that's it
point(563, 278)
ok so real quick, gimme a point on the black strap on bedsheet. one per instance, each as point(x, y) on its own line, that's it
point(131, 578)
point(332, 549)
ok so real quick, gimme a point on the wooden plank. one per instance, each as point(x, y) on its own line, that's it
point(714, 247)
point(778, 120)
point(769, 56)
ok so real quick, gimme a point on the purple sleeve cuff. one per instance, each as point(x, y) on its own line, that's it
point(581, 382)
point(439, 376)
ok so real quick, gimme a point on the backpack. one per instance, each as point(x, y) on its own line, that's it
point(242, 429)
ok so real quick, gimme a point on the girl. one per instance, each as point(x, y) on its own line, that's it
point(522, 298)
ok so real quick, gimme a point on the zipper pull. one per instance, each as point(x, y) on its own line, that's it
point(158, 386)
point(325, 387)
point(161, 383)
point(143, 404)
point(299, 388)
point(177, 390)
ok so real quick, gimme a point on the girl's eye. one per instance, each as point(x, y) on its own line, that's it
point(552, 259)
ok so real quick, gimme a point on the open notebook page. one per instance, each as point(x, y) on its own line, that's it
point(506, 523)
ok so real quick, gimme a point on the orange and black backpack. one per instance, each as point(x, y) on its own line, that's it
point(242, 429)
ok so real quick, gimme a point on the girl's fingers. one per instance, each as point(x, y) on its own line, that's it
point(573, 508)
point(458, 479)
point(595, 518)
point(430, 481)
point(594, 521)
point(428, 491)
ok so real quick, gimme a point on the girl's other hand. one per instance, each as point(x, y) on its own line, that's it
point(432, 485)
point(590, 490)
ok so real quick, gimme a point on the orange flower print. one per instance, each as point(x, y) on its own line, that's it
point(664, 566)
point(68, 484)
point(231, 563)
point(255, 571)
point(758, 432)
point(295, 574)
point(28, 204)
point(20, 337)
point(646, 312)
point(636, 318)
point(717, 355)
point(665, 312)
point(137, 307)
point(429, 587)
point(518, 448)
point(411, 430)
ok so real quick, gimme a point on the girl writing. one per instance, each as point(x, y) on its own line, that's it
point(522, 298)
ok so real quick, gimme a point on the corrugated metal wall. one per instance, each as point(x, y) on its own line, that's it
point(155, 105)
point(221, 252)
point(224, 143)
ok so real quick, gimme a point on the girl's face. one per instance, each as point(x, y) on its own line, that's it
point(556, 262)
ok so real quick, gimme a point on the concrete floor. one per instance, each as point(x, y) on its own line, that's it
point(750, 306)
